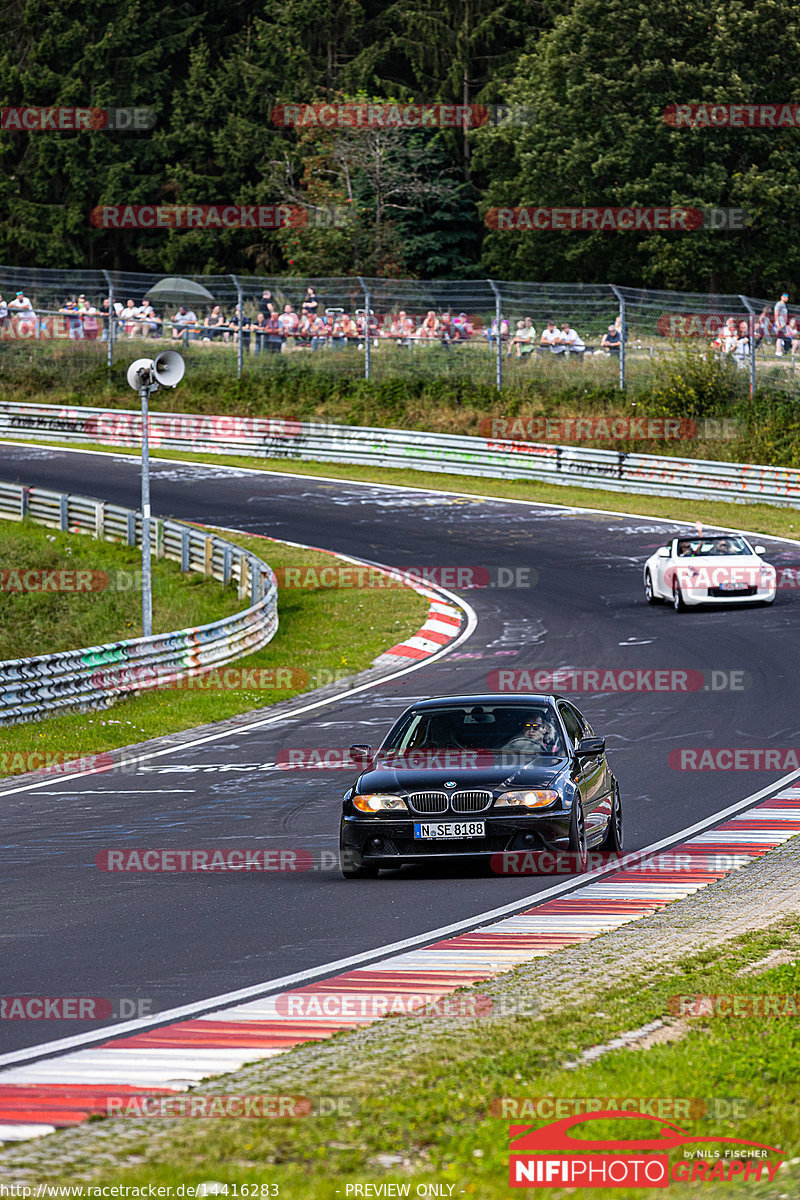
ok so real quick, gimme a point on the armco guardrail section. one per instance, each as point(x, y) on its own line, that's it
point(98, 675)
point(266, 437)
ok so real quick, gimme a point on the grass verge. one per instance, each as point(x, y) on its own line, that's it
point(424, 1114)
point(323, 635)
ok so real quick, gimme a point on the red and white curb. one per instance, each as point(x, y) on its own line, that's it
point(442, 626)
point(38, 1097)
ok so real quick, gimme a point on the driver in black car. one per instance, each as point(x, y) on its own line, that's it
point(538, 735)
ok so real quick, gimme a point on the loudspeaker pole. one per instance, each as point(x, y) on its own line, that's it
point(145, 376)
point(147, 578)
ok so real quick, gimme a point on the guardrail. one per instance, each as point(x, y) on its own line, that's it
point(97, 676)
point(267, 437)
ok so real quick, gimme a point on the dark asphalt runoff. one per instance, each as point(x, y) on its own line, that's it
point(69, 929)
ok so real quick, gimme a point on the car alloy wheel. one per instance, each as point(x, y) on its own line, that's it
point(577, 836)
point(614, 837)
point(650, 595)
point(677, 598)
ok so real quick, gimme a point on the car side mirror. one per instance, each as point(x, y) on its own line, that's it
point(662, 552)
point(361, 754)
point(591, 747)
point(760, 549)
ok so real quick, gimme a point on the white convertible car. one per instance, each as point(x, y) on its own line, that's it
point(708, 569)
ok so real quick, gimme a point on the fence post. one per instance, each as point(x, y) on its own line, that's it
point(752, 327)
point(499, 320)
point(240, 348)
point(367, 330)
point(623, 335)
point(111, 324)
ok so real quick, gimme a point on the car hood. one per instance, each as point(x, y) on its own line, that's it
point(539, 772)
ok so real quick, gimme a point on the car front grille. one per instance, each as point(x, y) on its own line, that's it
point(428, 802)
point(470, 802)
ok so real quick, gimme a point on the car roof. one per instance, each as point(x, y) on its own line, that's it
point(487, 698)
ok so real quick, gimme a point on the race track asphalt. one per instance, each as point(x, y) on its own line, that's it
point(70, 929)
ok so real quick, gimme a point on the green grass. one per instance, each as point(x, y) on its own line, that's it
point(42, 622)
point(430, 1104)
point(323, 634)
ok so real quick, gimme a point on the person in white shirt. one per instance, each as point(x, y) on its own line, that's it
point(570, 340)
point(551, 338)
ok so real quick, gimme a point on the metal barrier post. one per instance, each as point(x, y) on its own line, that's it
point(623, 337)
point(752, 325)
point(499, 323)
point(240, 349)
point(367, 330)
point(111, 323)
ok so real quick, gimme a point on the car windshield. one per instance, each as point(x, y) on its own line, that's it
point(530, 730)
point(705, 547)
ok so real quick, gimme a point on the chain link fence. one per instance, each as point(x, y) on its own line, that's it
point(485, 331)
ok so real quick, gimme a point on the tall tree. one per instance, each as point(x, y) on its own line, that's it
point(599, 84)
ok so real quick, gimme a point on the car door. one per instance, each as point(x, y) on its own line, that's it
point(591, 774)
point(663, 585)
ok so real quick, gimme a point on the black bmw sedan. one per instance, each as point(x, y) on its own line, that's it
point(476, 776)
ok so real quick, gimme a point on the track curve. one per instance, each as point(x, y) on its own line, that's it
point(71, 930)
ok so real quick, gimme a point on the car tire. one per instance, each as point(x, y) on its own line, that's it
point(678, 602)
point(351, 870)
point(614, 838)
point(649, 594)
point(577, 837)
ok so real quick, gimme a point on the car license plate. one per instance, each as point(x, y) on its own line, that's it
point(733, 587)
point(450, 829)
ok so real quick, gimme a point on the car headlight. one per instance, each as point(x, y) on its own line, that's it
point(378, 802)
point(527, 799)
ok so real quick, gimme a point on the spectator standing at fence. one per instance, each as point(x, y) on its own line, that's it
point(183, 324)
point(69, 309)
point(571, 340)
point(240, 328)
point(492, 332)
point(611, 341)
point(310, 305)
point(130, 319)
point(318, 332)
point(21, 312)
point(90, 318)
point(288, 323)
point(763, 328)
point(4, 321)
point(275, 336)
point(523, 339)
point(551, 338)
point(729, 336)
point(780, 316)
point(445, 329)
point(462, 328)
point(105, 319)
point(150, 322)
point(214, 325)
point(430, 326)
point(259, 333)
point(266, 305)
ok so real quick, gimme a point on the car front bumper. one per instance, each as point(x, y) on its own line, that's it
point(388, 842)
